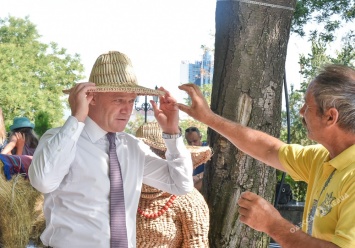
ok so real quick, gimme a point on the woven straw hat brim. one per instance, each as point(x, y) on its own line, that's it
point(154, 144)
point(113, 72)
point(139, 90)
point(151, 134)
point(199, 154)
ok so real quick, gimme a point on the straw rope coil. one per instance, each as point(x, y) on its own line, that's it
point(185, 224)
point(17, 207)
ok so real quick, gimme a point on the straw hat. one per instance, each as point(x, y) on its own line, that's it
point(151, 134)
point(113, 72)
point(21, 122)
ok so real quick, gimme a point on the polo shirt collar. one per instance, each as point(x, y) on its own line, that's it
point(344, 159)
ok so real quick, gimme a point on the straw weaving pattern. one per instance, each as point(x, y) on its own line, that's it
point(113, 72)
point(185, 224)
point(151, 134)
point(114, 68)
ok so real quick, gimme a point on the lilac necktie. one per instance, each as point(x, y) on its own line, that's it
point(117, 207)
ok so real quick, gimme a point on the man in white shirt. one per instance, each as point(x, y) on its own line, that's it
point(71, 166)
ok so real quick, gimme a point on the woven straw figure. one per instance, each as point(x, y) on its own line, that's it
point(165, 220)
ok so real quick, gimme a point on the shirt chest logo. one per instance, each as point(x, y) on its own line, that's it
point(326, 206)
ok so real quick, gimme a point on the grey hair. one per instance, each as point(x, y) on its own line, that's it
point(334, 87)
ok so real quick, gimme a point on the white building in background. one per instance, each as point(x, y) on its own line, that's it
point(200, 72)
point(184, 72)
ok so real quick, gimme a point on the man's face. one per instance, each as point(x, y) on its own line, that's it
point(193, 138)
point(312, 119)
point(111, 111)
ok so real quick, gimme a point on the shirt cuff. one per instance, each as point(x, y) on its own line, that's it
point(72, 127)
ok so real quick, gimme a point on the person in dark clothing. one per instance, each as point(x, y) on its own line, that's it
point(193, 137)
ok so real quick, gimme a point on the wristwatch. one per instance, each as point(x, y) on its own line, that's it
point(171, 136)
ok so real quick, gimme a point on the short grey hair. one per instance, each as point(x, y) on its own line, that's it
point(334, 87)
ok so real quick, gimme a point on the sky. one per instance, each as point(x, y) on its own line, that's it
point(157, 35)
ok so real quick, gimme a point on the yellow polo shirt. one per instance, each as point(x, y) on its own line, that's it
point(329, 212)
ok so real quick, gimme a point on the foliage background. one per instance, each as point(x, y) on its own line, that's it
point(33, 74)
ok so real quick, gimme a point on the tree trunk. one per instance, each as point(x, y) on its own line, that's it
point(250, 53)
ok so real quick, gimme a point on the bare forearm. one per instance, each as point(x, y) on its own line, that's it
point(257, 144)
point(288, 235)
point(19, 150)
point(8, 148)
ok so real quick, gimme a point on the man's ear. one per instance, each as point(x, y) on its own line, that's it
point(94, 98)
point(332, 115)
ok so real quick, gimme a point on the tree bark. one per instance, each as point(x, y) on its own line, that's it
point(250, 53)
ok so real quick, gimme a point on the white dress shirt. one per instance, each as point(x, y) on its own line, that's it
point(70, 166)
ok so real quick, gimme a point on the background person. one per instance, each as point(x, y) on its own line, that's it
point(71, 164)
point(193, 137)
point(22, 140)
point(328, 168)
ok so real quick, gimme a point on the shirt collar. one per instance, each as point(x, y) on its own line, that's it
point(93, 131)
point(344, 159)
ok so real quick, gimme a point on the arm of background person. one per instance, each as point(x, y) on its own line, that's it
point(255, 143)
point(11, 145)
point(20, 142)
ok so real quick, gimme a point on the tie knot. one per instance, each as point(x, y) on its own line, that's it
point(111, 137)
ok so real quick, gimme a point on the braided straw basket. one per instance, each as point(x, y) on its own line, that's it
point(113, 72)
point(151, 134)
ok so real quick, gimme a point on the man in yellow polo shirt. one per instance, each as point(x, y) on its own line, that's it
point(330, 201)
point(328, 168)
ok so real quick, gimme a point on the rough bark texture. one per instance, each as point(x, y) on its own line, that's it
point(250, 53)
